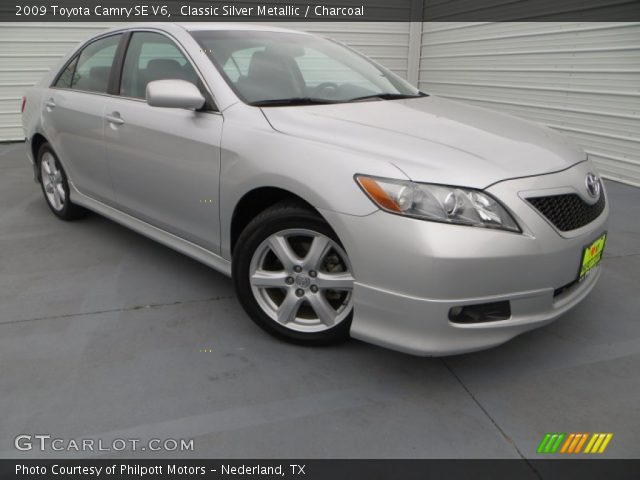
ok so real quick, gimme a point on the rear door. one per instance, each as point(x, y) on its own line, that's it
point(73, 116)
point(165, 162)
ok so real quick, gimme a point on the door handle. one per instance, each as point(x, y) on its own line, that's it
point(115, 119)
point(51, 104)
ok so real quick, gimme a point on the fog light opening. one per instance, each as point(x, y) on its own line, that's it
point(483, 312)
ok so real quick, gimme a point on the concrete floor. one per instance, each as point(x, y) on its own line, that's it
point(102, 332)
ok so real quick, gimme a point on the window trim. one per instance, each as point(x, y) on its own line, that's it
point(118, 63)
point(77, 54)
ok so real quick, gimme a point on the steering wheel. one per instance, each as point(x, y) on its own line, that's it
point(330, 87)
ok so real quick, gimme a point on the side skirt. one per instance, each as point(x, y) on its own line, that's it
point(168, 239)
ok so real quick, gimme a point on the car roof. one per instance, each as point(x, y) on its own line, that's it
point(204, 26)
point(235, 26)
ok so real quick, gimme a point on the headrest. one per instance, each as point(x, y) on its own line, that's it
point(164, 68)
point(267, 63)
point(99, 73)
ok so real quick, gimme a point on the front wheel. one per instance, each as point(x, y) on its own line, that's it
point(293, 277)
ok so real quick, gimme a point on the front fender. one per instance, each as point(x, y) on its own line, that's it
point(254, 155)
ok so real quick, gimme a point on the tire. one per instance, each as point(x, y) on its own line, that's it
point(55, 187)
point(289, 293)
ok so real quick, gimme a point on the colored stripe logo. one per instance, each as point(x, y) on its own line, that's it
point(572, 443)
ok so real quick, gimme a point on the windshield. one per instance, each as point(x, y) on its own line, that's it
point(280, 68)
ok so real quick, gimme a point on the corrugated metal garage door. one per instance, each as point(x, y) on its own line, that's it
point(580, 78)
point(27, 51)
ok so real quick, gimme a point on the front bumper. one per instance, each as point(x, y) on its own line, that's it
point(409, 273)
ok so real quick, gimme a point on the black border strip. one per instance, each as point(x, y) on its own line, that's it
point(324, 10)
point(557, 468)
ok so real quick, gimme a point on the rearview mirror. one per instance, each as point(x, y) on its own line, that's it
point(174, 94)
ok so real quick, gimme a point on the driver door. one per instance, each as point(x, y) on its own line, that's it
point(164, 162)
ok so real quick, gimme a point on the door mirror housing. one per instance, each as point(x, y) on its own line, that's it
point(174, 94)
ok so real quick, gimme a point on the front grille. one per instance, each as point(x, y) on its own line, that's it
point(568, 211)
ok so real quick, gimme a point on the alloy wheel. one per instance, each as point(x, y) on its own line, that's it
point(302, 279)
point(52, 181)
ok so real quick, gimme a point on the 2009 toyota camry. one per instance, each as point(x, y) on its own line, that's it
point(342, 200)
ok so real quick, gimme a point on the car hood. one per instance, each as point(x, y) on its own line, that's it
point(432, 139)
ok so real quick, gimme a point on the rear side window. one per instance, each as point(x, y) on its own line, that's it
point(66, 77)
point(92, 67)
point(152, 56)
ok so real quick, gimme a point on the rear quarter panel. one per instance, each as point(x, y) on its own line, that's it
point(31, 117)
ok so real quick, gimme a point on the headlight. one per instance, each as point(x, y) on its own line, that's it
point(438, 203)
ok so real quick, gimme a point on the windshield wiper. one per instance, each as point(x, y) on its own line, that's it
point(291, 101)
point(282, 102)
point(389, 96)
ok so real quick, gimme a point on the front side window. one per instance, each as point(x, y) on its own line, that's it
point(92, 69)
point(267, 67)
point(152, 56)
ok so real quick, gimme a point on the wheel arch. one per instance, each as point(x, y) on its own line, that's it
point(256, 201)
point(36, 142)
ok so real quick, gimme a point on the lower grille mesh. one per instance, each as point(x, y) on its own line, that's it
point(568, 211)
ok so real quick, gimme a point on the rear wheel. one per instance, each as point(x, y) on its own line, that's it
point(293, 277)
point(55, 186)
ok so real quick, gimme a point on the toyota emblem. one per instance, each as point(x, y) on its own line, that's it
point(593, 185)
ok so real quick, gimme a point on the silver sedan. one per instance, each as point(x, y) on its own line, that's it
point(342, 200)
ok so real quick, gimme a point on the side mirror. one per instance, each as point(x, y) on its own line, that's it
point(174, 94)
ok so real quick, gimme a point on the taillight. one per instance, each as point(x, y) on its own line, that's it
point(24, 104)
